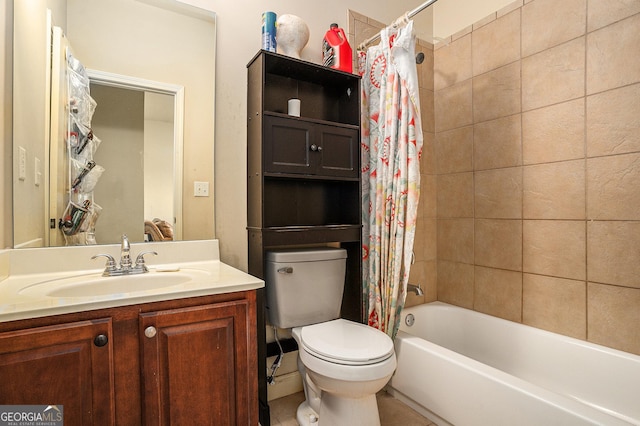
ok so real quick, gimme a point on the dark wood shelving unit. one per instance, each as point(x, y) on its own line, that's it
point(303, 173)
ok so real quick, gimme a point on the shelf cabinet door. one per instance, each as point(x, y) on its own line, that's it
point(288, 146)
point(338, 151)
point(195, 365)
point(66, 365)
point(302, 147)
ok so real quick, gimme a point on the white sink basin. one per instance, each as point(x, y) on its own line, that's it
point(89, 285)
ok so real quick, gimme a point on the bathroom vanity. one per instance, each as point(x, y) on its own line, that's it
point(180, 353)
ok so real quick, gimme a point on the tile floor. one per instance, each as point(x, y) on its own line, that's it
point(392, 411)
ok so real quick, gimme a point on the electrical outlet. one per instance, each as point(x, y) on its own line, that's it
point(201, 189)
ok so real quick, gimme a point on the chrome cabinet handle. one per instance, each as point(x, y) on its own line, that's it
point(150, 331)
point(286, 270)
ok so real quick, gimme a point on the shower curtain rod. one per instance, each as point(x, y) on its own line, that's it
point(396, 23)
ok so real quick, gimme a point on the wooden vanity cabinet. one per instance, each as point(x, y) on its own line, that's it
point(68, 364)
point(179, 362)
point(192, 360)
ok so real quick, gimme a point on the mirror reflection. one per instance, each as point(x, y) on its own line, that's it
point(167, 49)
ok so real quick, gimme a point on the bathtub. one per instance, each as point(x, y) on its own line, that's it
point(461, 367)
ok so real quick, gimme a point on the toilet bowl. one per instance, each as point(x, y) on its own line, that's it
point(343, 365)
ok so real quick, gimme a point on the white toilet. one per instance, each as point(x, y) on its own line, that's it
point(343, 363)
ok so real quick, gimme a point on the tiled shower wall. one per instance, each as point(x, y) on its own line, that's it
point(530, 204)
point(537, 119)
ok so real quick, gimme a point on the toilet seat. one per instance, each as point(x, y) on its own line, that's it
point(346, 342)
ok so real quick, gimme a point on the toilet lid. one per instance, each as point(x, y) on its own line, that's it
point(346, 342)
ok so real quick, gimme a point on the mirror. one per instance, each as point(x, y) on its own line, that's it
point(148, 47)
point(145, 117)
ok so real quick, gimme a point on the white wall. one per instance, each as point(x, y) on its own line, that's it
point(30, 118)
point(6, 88)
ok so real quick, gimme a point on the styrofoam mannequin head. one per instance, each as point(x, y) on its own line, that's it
point(292, 35)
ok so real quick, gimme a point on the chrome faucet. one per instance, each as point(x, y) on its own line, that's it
point(125, 258)
point(415, 288)
point(112, 269)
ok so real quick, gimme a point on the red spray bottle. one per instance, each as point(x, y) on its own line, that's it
point(336, 52)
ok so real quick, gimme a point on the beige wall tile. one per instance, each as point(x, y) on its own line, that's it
point(430, 281)
point(484, 21)
point(455, 283)
point(510, 8)
point(452, 63)
point(498, 193)
point(605, 12)
point(497, 93)
point(428, 196)
point(553, 75)
point(417, 277)
point(498, 143)
point(612, 187)
point(455, 195)
point(428, 158)
point(363, 31)
point(553, 133)
point(454, 150)
point(547, 23)
point(453, 106)
point(430, 238)
point(613, 121)
point(496, 44)
point(420, 240)
point(610, 63)
point(555, 304)
point(554, 247)
point(613, 251)
point(426, 110)
point(455, 240)
point(614, 316)
point(425, 69)
point(554, 190)
point(498, 243)
point(498, 292)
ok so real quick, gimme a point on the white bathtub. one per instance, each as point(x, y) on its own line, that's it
point(461, 367)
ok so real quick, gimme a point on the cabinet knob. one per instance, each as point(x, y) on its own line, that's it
point(315, 148)
point(150, 331)
point(101, 340)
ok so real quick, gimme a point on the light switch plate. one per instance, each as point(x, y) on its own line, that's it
point(38, 172)
point(22, 163)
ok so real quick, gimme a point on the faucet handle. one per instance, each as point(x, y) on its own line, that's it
point(140, 260)
point(110, 265)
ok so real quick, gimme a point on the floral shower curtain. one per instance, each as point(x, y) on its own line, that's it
point(391, 148)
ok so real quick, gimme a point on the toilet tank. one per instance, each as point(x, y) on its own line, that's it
point(304, 286)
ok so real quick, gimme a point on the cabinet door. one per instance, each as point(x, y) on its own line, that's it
point(338, 153)
point(196, 366)
point(301, 147)
point(65, 365)
point(287, 145)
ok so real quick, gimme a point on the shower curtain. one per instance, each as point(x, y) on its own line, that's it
point(391, 148)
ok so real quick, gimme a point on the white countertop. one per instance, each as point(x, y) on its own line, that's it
point(46, 268)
